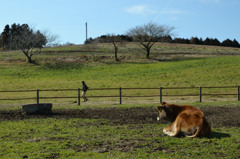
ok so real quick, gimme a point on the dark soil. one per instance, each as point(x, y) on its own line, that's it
point(217, 116)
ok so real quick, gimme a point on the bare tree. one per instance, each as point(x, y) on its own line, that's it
point(30, 42)
point(52, 39)
point(117, 41)
point(25, 38)
point(147, 35)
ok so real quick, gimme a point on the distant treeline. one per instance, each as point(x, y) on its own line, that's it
point(11, 37)
point(169, 39)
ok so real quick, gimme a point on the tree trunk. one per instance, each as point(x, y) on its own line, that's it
point(148, 53)
point(116, 50)
point(29, 59)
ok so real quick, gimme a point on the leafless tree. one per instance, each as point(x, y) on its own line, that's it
point(117, 41)
point(52, 39)
point(30, 42)
point(147, 35)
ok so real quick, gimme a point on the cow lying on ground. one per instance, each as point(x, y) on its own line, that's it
point(187, 120)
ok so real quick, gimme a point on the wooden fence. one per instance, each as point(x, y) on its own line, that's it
point(201, 92)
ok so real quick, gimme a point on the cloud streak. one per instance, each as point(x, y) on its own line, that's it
point(167, 11)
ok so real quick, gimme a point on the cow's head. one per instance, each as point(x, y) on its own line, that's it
point(166, 112)
point(162, 111)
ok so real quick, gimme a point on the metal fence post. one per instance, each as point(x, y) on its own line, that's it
point(160, 94)
point(120, 95)
point(37, 96)
point(79, 96)
point(238, 92)
point(200, 93)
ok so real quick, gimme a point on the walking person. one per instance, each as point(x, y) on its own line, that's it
point(84, 90)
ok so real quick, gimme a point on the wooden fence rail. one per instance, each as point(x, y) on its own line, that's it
point(121, 96)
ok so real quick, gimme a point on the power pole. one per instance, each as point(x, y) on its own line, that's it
point(86, 32)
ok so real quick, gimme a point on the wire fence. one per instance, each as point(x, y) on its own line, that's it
point(123, 93)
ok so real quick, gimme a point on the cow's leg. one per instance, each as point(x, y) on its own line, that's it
point(171, 130)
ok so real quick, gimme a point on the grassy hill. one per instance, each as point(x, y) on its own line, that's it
point(66, 67)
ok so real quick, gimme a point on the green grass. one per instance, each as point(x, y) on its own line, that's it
point(217, 71)
point(97, 138)
point(84, 138)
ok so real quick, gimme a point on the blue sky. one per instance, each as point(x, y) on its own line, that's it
point(66, 18)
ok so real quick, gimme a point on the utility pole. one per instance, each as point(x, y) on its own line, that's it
point(86, 32)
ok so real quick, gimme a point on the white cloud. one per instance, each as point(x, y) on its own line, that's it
point(144, 9)
point(140, 9)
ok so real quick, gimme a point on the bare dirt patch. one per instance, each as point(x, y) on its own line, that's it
point(217, 116)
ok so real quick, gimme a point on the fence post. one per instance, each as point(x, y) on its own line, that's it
point(79, 96)
point(37, 96)
point(238, 92)
point(160, 95)
point(120, 95)
point(200, 93)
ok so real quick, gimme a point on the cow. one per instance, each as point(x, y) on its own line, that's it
point(187, 121)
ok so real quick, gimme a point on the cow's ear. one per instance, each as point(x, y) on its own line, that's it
point(163, 103)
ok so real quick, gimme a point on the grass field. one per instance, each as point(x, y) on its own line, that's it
point(84, 138)
point(66, 67)
point(204, 71)
point(127, 132)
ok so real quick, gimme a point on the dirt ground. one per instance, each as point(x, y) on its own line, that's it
point(217, 116)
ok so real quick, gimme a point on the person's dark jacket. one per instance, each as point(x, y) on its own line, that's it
point(85, 87)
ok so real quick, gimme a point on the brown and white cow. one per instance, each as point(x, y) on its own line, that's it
point(187, 120)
